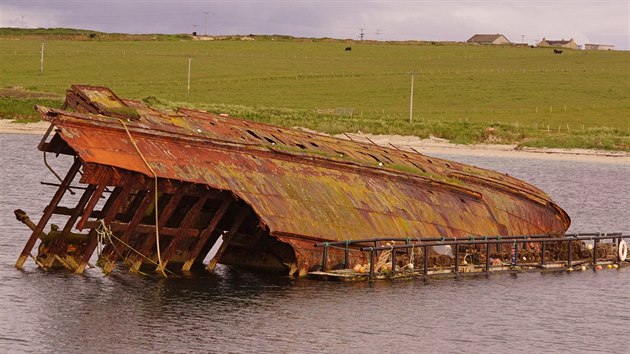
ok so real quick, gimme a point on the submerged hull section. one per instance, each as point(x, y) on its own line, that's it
point(269, 193)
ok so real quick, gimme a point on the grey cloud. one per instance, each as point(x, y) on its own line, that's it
point(596, 21)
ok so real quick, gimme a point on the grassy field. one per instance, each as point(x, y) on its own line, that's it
point(528, 95)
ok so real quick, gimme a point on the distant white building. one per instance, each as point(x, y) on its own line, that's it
point(599, 47)
point(489, 39)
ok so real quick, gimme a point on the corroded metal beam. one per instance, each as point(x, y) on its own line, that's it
point(110, 210)
point(191, 216)
point(48, 211)
point(58, 246)
point(119, 226)
point(136, 259)
point(87, 212)
point(112, 252)
point(206, 233)
point(227, 236)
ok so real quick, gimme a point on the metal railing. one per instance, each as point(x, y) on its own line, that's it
point(424, 243)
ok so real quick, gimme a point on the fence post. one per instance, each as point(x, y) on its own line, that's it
point(41, 59)
point(188, 87)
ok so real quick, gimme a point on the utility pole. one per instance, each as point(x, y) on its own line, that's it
point(206, 26)
point(361, 34)
point(413, 74)
point(378, 34)
point(523, 38)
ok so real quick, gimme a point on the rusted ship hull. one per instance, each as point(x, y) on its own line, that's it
point(175, 183)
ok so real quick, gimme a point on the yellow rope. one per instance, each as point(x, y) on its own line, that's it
point(105, 234)
point(385, 257)
point(155, 178)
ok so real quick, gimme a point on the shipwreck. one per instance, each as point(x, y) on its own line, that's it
point(161, 188)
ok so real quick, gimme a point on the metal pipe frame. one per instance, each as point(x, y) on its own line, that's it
point(596, 237)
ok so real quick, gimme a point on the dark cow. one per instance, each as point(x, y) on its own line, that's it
point(557, 51)
point(348, 49)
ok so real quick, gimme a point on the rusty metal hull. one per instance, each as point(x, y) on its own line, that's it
point(270, 193)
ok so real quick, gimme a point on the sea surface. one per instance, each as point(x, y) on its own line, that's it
point(237, 311)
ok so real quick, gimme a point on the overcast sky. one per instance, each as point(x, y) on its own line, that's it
point(587, 21)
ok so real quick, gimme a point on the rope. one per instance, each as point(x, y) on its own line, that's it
point(155, 178)
point(104, 234)
point(384, 257)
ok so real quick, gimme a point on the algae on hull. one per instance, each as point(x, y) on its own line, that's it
point(269, 193)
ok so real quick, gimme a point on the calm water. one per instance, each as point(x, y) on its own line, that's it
point(237, 311)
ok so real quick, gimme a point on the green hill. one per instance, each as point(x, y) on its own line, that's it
point(528, 95)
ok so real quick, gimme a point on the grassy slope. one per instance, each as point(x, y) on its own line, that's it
point(577, 98)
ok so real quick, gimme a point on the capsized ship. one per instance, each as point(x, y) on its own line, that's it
point(163, 187)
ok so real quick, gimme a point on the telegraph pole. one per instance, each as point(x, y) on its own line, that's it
point(361, 34)
point(413, 74)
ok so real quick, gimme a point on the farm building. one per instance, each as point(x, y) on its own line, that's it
point(570, 44)
point(489, 39)
point(599, 47)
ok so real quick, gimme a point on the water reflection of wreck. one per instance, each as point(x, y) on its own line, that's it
point(269, 193)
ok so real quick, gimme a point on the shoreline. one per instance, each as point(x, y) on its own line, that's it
point(424, 146)
point(442, 146)
point(8, 126)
